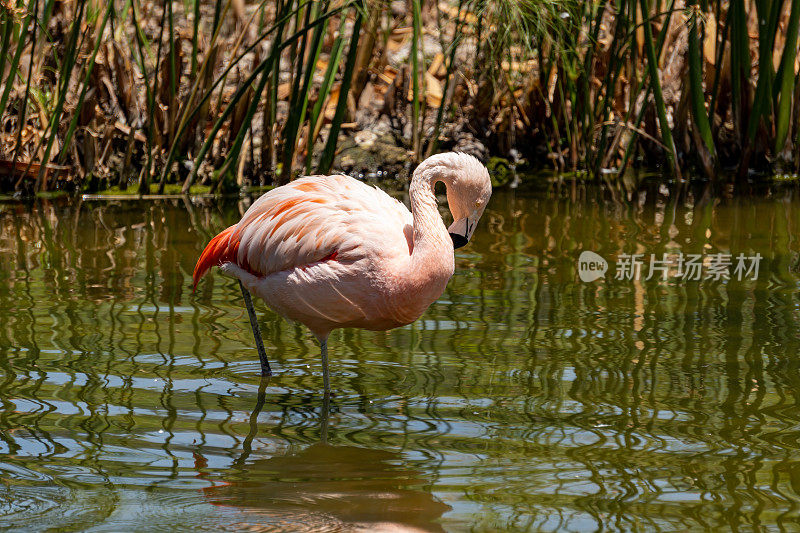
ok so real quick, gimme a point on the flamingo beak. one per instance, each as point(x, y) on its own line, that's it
point(461, 231)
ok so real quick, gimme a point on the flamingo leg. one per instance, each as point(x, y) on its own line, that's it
point(325, 378)
point(262, 354)
point(326, 411)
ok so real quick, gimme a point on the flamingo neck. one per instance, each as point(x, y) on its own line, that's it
point(433, 247)
point(423, 278)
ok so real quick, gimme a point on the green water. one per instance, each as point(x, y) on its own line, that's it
point(524, 399)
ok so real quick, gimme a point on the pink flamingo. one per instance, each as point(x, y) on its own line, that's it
point(332, 252)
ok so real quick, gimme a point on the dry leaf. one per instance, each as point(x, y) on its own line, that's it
point(437, 65)
point(710, 41)
point(283, 91)
point(639, 30)
point(388, 75)
point(433, 91)
point(330, 106)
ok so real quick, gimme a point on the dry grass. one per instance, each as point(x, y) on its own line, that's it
point(228, 93)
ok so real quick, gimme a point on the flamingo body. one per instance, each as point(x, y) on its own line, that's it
point(332, 252)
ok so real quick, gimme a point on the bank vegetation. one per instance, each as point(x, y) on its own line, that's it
point(148, 96)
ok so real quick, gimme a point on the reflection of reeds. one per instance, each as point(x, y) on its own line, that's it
point(533, 397)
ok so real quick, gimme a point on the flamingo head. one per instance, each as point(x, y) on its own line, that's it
point(468, 193)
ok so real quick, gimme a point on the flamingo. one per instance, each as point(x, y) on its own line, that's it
point(332, 252)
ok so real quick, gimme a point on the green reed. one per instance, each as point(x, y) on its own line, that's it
point(326, 161)
point(85, 85)
point(265, 70)
point(314, 119)
point(580, 85)
point(784, 82)
point(65, 73)
point(596, 99)
point(176, 111)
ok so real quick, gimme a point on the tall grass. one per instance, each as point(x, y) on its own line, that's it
point(649, 82)
point(182, 119)
point(228, 94)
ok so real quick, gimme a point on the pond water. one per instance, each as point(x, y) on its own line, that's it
point(524, 399)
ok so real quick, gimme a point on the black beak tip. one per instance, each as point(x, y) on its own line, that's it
point(458, 240)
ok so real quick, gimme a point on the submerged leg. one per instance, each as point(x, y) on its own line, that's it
point(325, 379)
point(262, 354)
point(324, 417)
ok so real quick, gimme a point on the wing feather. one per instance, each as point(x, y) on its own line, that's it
point(310, 220)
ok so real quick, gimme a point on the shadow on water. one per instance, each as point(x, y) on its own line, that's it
point(523, 399)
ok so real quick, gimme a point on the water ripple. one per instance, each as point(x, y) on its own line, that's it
point(524, 399)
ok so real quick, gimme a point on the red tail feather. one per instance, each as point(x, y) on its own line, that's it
point(222, 249)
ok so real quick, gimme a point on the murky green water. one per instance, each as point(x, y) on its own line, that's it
point(523, 399)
